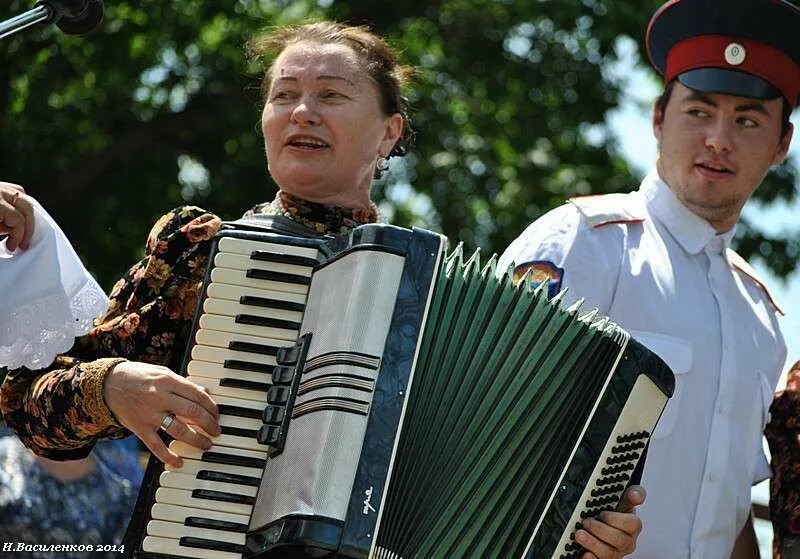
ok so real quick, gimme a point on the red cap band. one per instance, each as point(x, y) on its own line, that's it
point(720, 51)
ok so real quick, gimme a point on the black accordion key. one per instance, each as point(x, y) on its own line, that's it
point(228, 478)
point(253, 301)
point(211, 544)
point(292, 259)
point(226, 409)
point(238, 431)
point(233, 460)
point(246, 384)
point(211, 524)
point(239, 365)
point(250, 347)
point(281, 277)
point(223, 496)
point(254, 320)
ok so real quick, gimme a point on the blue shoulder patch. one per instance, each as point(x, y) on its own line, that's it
point(541, 271)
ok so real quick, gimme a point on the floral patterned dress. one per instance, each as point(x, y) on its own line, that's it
point(783, 436)
point(59, 412)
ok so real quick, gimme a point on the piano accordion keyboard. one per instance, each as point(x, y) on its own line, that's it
point(253, 306)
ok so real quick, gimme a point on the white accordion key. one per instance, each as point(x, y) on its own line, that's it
point(180, 514)
point(256, 391)
point(240, 422)
point(194, 467)
point(241, 262)
point(239, 277)
point(235, 308)
point(234, 440)
point(168, 546)
point(250, 344)
point(184, 481)
point(236, 456)
point(245, 246)
point(176, 531)
point(220, 355)
point(229, 324)
point(184, 498)
point(237, 292)
point(238, 443)
point(209, 369)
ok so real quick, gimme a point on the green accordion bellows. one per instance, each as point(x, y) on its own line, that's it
point(505, 383)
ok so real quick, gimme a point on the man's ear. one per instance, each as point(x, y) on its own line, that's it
point(658, 121)
point(783, 146)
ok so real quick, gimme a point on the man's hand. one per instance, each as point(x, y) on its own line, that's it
point(16, 216)
point(141, 395)
point(612, 535)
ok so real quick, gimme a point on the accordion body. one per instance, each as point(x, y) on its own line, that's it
point(380, 398)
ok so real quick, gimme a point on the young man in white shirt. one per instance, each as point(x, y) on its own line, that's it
point(658, 262)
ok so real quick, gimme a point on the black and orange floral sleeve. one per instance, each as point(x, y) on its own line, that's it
point(783, 436)
point(59, 412)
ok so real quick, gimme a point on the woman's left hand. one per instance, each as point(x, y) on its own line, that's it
point(16, 216)
point(612, 535)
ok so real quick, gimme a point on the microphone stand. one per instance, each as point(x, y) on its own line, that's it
point(74, 17)
point(41, 12)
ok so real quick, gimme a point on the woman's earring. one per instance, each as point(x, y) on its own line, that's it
point(383, 164)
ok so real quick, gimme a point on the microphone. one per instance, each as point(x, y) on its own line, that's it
point(75, 17)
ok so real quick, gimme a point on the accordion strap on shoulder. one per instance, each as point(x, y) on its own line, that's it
point(273, 223)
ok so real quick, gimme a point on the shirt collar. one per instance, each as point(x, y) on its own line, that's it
point(691, 231)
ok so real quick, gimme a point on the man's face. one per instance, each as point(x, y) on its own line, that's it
point(715, 150)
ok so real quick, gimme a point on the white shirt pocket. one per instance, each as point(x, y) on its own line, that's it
point(677, 353)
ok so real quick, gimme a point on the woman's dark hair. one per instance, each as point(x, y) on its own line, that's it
point(663, 101)
point(379, 60)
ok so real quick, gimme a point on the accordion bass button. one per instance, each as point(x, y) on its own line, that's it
point(273, 415)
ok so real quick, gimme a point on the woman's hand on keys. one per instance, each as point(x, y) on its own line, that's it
point(142, 395)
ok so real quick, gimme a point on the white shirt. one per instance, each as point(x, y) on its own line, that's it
point(47, 297)
point(670, 280)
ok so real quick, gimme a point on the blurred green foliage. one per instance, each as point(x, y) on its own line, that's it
point(158, 107)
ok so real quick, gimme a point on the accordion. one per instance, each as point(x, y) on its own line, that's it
point(381, 398)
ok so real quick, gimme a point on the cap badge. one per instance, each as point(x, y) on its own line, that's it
point(735, 54)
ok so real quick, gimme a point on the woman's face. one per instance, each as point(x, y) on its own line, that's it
point(323, 125)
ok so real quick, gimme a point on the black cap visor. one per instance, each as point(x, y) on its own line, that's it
point(731, 82)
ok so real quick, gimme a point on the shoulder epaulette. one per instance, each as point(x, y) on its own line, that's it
point(742, 266)
point(606, 209)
